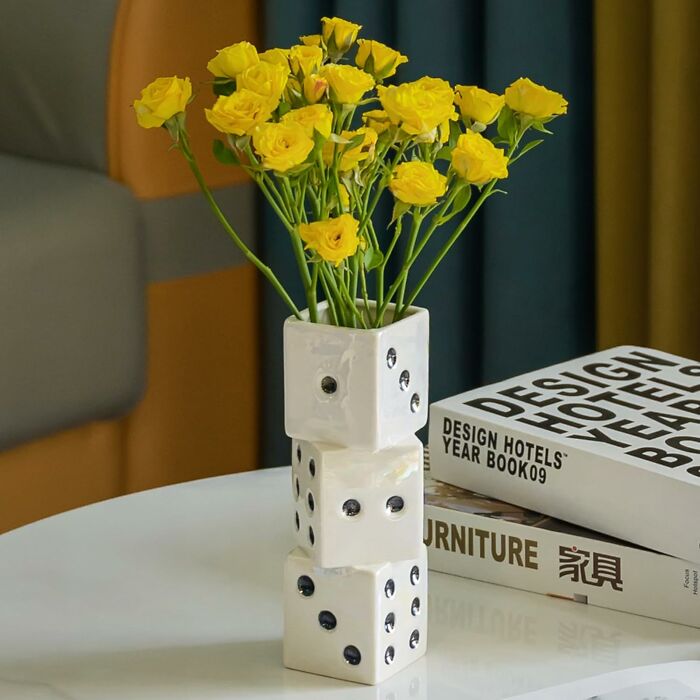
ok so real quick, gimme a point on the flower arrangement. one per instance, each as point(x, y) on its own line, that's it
point(323, 139)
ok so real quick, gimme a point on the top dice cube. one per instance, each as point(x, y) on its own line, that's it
point(364, 389)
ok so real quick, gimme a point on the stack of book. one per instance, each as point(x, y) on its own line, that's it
point(581, 481)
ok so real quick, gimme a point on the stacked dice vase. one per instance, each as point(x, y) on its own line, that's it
point(355, 585)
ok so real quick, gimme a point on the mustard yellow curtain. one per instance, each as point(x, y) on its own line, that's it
point(647, 73)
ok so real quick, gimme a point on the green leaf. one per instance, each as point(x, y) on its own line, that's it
point(527, 147)
point(355, 141)
point(455, 133)
point(224, 155)
point(373, 258)
point(283, 108)
point(400, 208)
point(224, 86)
point(298, 170)
point(507, 125)
point(462, 199)
point(445, 153)
point(539, 126)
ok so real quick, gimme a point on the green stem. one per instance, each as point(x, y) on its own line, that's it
point(412, 236)
point(333, 293)
point(184, 147)
point(365, 296)
point(450, 242)
point(329, 300)
point(312, 297)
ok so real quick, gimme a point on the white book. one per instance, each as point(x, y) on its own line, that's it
point(610, 441)
point(478, 537)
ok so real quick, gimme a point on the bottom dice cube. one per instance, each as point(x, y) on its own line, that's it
point(360, 623)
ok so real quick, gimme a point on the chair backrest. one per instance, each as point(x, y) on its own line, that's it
point(54, 61)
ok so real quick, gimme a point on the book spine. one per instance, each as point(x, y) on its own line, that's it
point(604, 494)
point(559, 564)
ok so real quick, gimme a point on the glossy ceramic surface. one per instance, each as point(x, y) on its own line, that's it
point(354, 507)
point(365, 389)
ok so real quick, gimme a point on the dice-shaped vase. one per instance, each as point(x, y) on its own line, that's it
point(360, 388)
point(361, 623)
point(358, 507)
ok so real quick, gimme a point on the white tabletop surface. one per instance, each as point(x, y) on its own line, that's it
point(176, 593)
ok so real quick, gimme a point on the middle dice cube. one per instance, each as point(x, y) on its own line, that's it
point(356, 507)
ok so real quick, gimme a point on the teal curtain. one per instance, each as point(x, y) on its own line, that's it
point(516, 292)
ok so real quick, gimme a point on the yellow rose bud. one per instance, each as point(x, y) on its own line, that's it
point(376, 119)
point(305, 60)
point(351, 158)
point(420, 107)
point(417, 183)
point(532, 99)
point(240, 112)
point(277, 56)
point(346, 84)
point(310, 118)
point(161, 100)
point(338, 35)
point(334, 239)
point(267, 79)
point(377, 58)
point(315, 88)
point(282, 146)
point(478, 104)
point(311, 40)
point(344, 197)
point(477, 160)
point(232, 60)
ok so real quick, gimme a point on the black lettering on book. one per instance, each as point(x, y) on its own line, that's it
point(498, 406)
point(482, 544)
point(559, 387)
point(590, 568)
point(645, 361)
point(604, 370)
point(534, 398)
point(659, 456)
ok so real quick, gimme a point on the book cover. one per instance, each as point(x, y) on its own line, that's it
point(478, 537)
point(609, 441)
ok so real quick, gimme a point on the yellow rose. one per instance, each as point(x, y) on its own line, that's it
point(419, 107)
point(315, 88)
point(338, 35)
point(240, 112)
point(161, 100)
point(267, 79)
point(334, 239)
point(477, 160)
point(311, 40)
point(305, 60)
point(532, 99)
point(347, 84)
point(418, 183)
point(277, 56)
point(478, 104)
point(378, 59)
point(376, 119)
point(351, 158)
point(310, 118)
point(282, 146)
point(232, 60)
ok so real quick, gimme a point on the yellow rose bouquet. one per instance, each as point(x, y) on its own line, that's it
point(324, 137)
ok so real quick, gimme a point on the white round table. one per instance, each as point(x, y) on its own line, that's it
point(176, 593)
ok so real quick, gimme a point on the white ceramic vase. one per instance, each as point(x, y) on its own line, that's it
point(355, 586)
